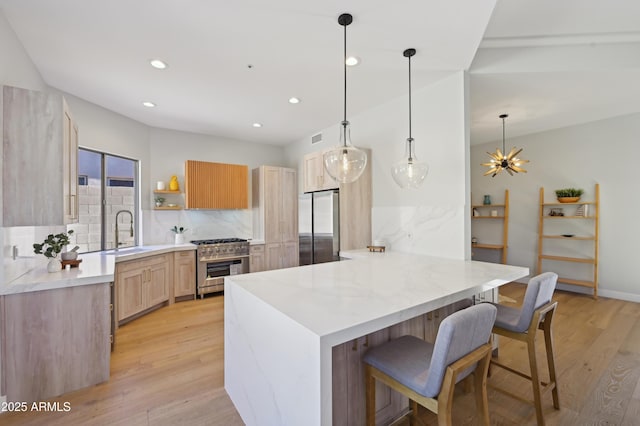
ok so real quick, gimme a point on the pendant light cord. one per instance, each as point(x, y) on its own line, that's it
point(344, 62)
point(410, 100)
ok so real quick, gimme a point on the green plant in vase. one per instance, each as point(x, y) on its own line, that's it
point(569, 195)
point(51, 248)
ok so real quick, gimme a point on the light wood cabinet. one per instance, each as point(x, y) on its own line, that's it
point(216, 185)
point(40, 158)
point(314, 175)
point(184, 274)
point(54, 341)
point(142, 284)
point(275, 215)
point(568, 240)
point(491, 223)
point(257, 259)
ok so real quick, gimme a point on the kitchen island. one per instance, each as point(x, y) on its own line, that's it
point(281, 326)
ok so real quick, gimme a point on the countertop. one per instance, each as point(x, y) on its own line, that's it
point(97, 267)
point(330, 299)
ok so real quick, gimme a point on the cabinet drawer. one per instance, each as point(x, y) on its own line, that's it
point(256, 249)
point(142, 263)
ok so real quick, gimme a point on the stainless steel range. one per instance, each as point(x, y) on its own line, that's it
point(217, 259)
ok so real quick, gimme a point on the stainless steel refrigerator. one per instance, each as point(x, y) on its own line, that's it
point(319, 227)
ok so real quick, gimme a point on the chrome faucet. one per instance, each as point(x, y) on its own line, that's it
point(117, 230)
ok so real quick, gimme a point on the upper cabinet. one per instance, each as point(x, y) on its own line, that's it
point(315, 177)
point(216, 185)
point(40, 159)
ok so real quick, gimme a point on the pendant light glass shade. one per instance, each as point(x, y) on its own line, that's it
point(500, 160)
point(345, 163)
point(409, 172)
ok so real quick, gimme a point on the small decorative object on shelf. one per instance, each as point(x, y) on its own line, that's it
point(569, 195)
point(582, 210)
point(51, 247)
point(556, 212)
point(376, 248)
point(159, 201)
point(179, 231)
point(474, 240)
point(173, 184)
point(487, 200)
point(476, 212)
point(160, 185)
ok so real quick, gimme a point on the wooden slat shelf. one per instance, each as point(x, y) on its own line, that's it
point(478, 206)
point(562, 237)
point(487, 217)
point(566, 227)
point(165, 191)
point(577, 282)
point(579, 203)
point(488, 246)
point(168, 208)
point(567, 259)
point(568, 217)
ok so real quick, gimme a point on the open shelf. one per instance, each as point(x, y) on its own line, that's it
point(165, 191)
point(488, 246)
point(583, 228)
point(483, 211)
point(168, 208)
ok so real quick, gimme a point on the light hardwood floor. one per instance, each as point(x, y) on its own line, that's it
point(168, 370)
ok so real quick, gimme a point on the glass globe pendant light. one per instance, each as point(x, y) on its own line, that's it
point(500, 160)
point(345, 163)
point(409, 172)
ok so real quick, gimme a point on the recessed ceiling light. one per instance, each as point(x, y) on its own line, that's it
point(148, 104)
point(257, 125)
point(352, 61)
point(157, 63)
point(294, 100)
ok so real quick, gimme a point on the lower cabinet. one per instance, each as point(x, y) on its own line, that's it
point(257, 259)
point(54, 341)
point(348, 370)
point(184, 274)
point(281, 255)
point(142, 284)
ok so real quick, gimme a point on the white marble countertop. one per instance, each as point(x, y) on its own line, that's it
point(369, 291)
point(97, 267)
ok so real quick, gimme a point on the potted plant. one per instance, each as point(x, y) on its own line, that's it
point(51, 247)
point(179, 231)
point(569, 195)
point(159, 201)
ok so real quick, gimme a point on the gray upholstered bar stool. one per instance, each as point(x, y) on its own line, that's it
point(522, 324)
point(427, 373)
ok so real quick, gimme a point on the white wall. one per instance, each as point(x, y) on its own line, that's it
point(601, 152)
point(429, 220)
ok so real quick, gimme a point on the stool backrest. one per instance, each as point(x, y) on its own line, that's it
point(539, 292)
point(459, 334)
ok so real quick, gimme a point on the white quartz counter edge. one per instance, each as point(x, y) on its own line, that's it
point(98, 267)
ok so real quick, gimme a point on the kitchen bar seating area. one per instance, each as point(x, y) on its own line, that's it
point(144, 383)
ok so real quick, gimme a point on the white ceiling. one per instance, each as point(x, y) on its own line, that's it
point(547, 63)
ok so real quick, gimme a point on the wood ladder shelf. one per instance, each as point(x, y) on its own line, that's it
point(544, 251)
point(480, 212)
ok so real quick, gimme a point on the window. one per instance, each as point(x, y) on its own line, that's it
point(108, 188)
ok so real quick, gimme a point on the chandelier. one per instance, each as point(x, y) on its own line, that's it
point(500, 160)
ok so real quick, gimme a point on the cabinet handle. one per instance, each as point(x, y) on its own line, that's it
point(366, 341)
point(355, 345)
point(111, 307)
point(111, 338)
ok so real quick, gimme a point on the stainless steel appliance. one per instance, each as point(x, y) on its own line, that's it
point(319, 227)
point(217, 259)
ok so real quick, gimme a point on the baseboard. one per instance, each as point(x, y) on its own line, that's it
point(629, 297)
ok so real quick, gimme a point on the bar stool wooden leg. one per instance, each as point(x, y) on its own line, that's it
point(548, 341)
point(480, 384)
point(535, 378)
point(370, 395)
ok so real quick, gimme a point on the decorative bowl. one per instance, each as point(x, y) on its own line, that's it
point(568, 199)
point(69, 255)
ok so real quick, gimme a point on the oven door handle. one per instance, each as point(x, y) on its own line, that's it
point(223, 259)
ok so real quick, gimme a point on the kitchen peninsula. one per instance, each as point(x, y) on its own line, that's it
point(280, 327)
